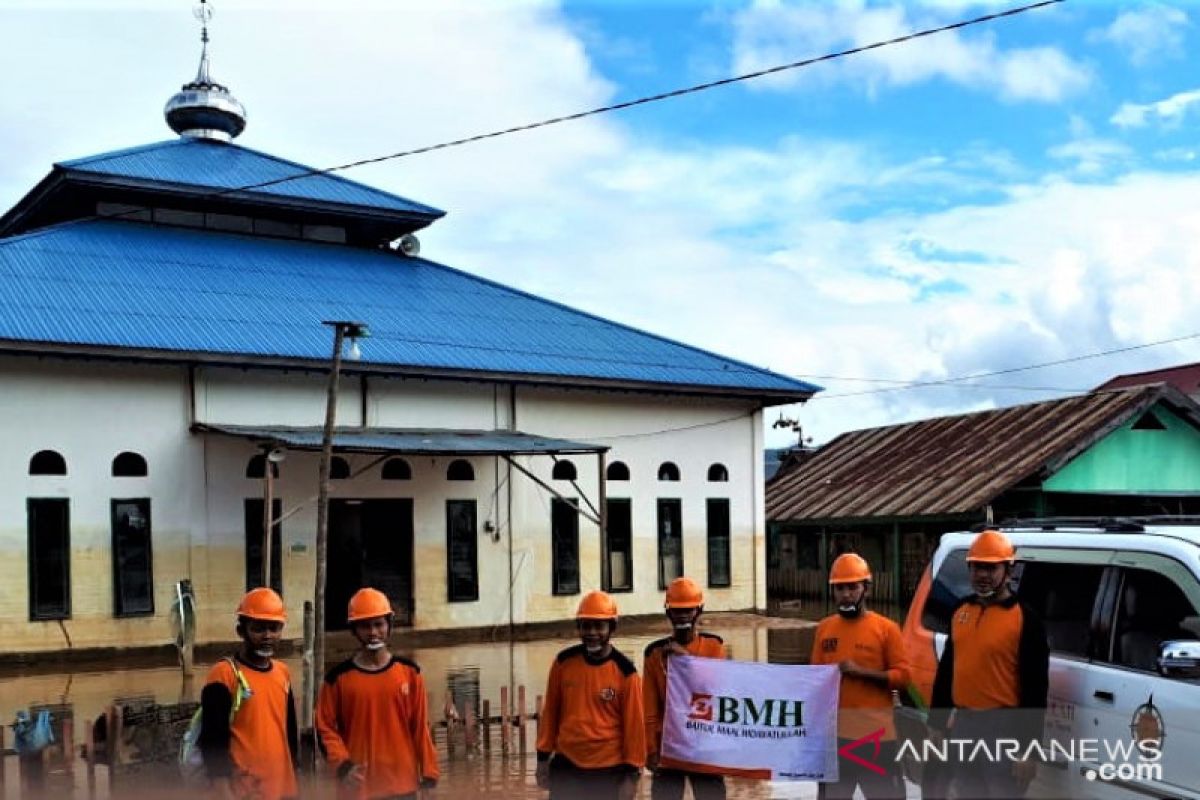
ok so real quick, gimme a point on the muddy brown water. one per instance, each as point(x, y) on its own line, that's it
point(462, 675)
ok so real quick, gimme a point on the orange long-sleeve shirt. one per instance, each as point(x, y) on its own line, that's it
point(872, 641)
point(592, 713)
point(258, 736)
point(378, 720)
point(654, 684)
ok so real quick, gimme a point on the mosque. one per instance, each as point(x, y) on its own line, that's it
point(170, 316)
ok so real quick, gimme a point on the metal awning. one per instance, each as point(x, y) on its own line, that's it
point(408, 441)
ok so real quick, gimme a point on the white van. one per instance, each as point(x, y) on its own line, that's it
point(1121, 605)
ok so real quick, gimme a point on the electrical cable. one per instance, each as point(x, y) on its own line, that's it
point(654, 98)
point(640, 101)
point(1012, 370)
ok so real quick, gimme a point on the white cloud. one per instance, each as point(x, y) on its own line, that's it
point(771, 32)
point(1152, 33)
point(1091, 155)
point(767, 254)
point(1168, 112)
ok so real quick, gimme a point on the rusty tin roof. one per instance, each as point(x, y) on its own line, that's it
point(954, 465)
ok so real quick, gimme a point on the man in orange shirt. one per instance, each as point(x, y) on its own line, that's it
point(684, 605)
point(993, 676)
point(373, 716)
point(249, 754)
point(869, 651)
point(591, 732)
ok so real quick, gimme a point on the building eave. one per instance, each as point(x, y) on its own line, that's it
point(761, 397)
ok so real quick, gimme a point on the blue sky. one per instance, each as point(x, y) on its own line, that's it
point(1016, 193)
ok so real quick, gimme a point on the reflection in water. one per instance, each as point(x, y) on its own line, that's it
point(461, 675)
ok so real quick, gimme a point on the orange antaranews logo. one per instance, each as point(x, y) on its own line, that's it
point(701, 707)
point(874, 737)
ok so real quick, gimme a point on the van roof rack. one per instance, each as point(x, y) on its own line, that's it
point(1106, 524)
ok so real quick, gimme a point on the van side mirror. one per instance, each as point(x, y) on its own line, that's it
point(1179, 658)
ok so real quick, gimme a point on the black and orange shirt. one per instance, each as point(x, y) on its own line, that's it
point(996, 656)
point(872, 641)
point(256, 752)
point(378, 720)
point(654, 684)
point(592, 714)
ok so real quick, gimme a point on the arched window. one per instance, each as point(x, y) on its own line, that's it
point(460, 470)
point(718, 474)
point(564, 471)
point(668, 472)
point(397, 469)
point(339, 469)
point(47, 462)
point(254, 468)
point(618, 471)
point(129, 465)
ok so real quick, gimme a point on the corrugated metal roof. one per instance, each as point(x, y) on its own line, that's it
point(133, 285)
point(952, 465)
point(209, 165)
point(1185, 378)
point(410, 441)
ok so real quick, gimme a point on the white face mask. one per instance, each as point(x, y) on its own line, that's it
point(850, 609)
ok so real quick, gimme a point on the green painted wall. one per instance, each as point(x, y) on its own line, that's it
point(1136, 461)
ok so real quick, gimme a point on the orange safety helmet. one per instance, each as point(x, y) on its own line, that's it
point(849, 568)
point(991, 547)
point(368, 603)
point(597, 605)
point(262, 603)
point(684, 593)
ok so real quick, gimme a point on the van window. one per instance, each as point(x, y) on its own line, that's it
point(951, 584)
point(1152, 609)
point(1064, 595)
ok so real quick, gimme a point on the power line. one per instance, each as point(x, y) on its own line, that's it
point(1010, 370)
point(654, 98)
point(904, 383)
point(640, 101)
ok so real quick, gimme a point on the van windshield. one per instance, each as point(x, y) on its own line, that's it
point(950, 585)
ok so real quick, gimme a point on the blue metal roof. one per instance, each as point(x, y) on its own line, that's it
point(105, 283)
point(208, 165)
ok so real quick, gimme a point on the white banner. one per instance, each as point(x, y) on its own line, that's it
point(772, 721)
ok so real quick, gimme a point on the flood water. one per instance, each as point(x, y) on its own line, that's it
point(462, 676)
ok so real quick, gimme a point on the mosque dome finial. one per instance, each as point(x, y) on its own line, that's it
point(204, 108)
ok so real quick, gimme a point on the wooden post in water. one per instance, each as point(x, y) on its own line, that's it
point(116, 725)
point(487, 725)
point(470, 727)
point(504, 732)
point(448, 715)
point(521, 718)
point(89, 756)
point(68, 749)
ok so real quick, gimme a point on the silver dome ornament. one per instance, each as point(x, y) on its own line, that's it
point(204, 108)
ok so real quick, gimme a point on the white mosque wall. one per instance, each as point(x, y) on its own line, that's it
point(90, 411)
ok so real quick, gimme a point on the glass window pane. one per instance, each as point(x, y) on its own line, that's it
point(133, 586)
point(462, 566)
point(564, 532)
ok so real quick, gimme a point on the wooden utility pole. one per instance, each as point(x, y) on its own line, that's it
point(340, 331)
